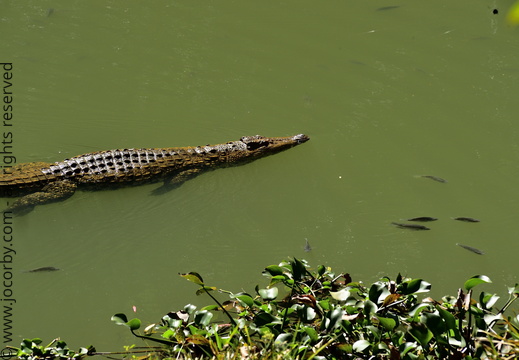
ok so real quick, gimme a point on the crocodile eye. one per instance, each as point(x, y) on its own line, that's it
point(256, 145)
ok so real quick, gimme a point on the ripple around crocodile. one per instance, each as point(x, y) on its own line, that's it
point(40, 183)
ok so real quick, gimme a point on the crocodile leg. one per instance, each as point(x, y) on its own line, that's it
point(52, 192)
point(176, 180)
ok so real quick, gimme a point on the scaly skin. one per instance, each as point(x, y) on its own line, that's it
point(41, 183)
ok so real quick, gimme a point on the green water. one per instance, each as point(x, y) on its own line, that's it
point(386, 94)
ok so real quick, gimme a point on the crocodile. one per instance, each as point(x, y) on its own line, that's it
point(40, 183)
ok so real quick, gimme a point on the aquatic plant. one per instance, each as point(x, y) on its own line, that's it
point(306, 313)
point(318, 314)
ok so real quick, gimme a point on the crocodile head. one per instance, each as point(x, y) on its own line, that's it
point(253, 147)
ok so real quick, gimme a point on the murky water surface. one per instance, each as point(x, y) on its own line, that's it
point(388, 92)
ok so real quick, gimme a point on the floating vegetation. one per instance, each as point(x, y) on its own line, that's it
point(423, 219)
point(467, 219)
point(411, 226)
point(470, 248)
point(315, 313)
point(435, 178)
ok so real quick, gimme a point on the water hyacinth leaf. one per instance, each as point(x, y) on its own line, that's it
point(415, 312)
point(203, 317)
point(491, 318)
point(488, 300)
point(450, 322)
point(193, 277)
point(341, 295)
point(361, 345)
point(283, 338)
point(421, 334)
point(307, 313)
point(388, 323)
point(264, 318)
point(416, 286)
point(245, 299)
point(134, 324)
point(324, 304)
point(120, 319)
point(377, 291)
point(335, 317)
point(370, 307)
point(298, 269)
point(268, 294)
point(435, 324)
point(312, 334)
point(476, 280)
point(321, 270)
point(210, 307)
point(514, 290)
point(406, 347)
point(190, 308)
point(274, 270)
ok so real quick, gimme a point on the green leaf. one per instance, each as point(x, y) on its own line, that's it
point(245, 299)
point(377, 291)
point(514, 290)
point(435, 324)
point(361, 345)
point(370, 308)
point(421, 334)
point(335, 317)
point(406, 347)
point(298, 269)
point(340, 295)
point(193, 277)
point(274, 270)
point(134, 324)
point(268, 294)
point(488, 300)
point(321, 270)
point(312, 334)
point(388, 323)
point(415, 286)
point(476, 280)
point(450, 322)
point(120, 319)
point(203, 317)
point(264, 318)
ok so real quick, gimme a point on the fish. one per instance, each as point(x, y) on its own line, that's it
point(467, 219)
point(423, 219)
point(411, 226)
point(384, 8)
point(435, 178)
point(470, 248)
point(307, 246)
point(44, 269)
